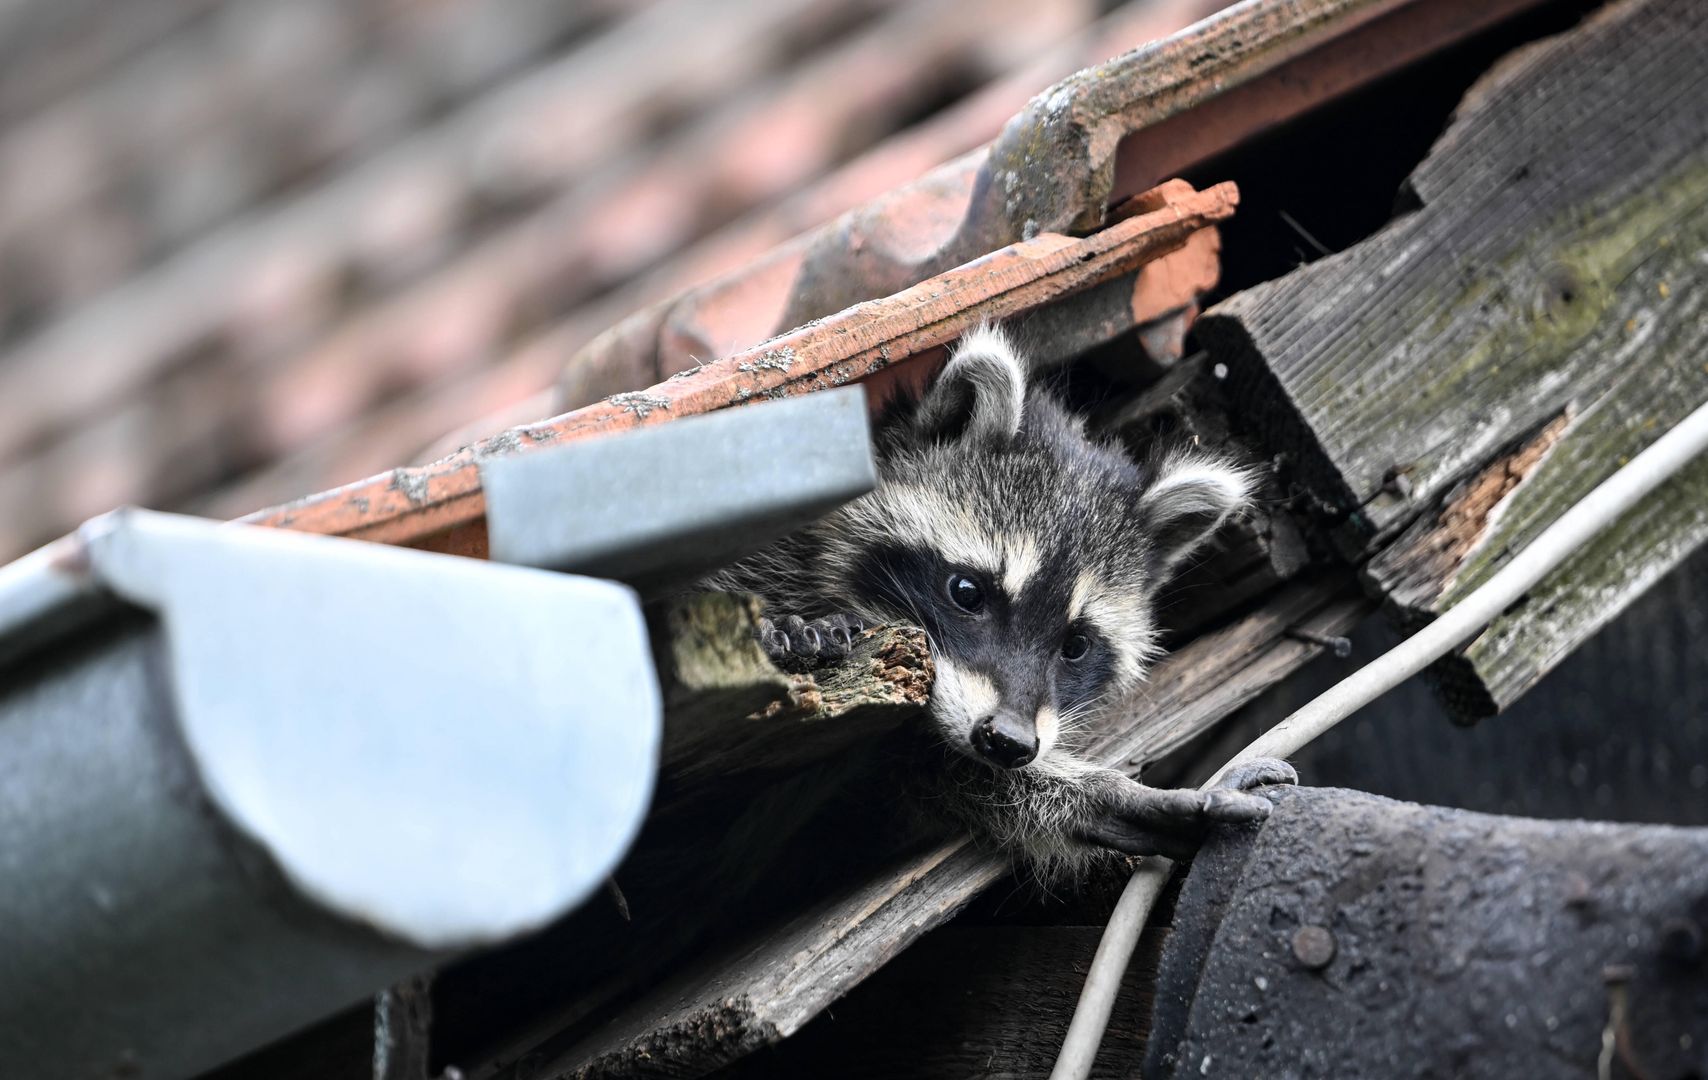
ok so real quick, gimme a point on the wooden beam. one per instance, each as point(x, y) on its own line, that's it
point(969, 1001)
point(1449, 386)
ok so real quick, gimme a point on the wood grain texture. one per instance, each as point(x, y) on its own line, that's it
point(1555, 266)
point(969, 1001)
point(728, 712)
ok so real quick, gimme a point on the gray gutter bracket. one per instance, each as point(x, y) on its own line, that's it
point(664, 505)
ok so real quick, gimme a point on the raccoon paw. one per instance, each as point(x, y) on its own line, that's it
point(795, 644)
point(1258, 772)
point(1135, 819)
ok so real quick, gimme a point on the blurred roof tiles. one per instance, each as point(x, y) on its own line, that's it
point(260, 248)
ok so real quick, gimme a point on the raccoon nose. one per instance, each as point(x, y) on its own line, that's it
point(1005, 741)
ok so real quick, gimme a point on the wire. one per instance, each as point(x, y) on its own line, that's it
point(1108, 966)
point(1575, 528)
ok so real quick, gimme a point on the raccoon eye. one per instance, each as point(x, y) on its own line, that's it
point(1075, 646)
point(966, 593)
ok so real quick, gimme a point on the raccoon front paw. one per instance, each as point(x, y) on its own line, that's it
point(794, 644)
point(1258, 772)
point(1136, 819)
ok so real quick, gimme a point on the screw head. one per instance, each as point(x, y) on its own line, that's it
point(1313, 946)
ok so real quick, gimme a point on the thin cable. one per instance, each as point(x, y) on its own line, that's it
point(1575, 528)
point(1108, 965)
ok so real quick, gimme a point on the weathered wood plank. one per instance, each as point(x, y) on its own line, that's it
point(1554, 268)
point(969, 1001)
point(729, 712)
point(754, 991)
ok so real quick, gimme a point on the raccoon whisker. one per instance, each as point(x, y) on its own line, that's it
point(907, 604)
point(1072, 725)
point(1142, 691)
point(1088, 705)
point(1079, 715)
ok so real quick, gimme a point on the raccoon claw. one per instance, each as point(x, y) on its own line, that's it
point(803, 639)
point(1258, 772)
point(795, 644)
point(840, 632)
point(837, 633)
point(1234, 807)
point(1232, 800)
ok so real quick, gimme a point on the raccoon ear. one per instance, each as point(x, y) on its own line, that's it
point(981, 393)
point(1191, 497)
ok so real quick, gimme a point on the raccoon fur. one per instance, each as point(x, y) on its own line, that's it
point(1030, 554)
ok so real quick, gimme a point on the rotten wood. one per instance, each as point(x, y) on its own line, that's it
point(762, 987)
point(729, 713)
point(1417, 568)
point(441, 506)
point(1451, 385)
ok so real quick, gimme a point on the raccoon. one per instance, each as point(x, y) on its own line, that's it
point(1030, 554)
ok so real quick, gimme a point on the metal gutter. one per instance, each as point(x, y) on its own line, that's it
point(273, 773)
point(250, 776)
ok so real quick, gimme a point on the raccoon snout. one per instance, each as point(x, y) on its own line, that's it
point(1005, 740)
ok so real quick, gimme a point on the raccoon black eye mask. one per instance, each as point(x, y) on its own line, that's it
point(1030, 554)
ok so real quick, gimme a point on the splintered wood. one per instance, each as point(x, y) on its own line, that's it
point(1554, 265)
point(1420, 566)
point(728, 712)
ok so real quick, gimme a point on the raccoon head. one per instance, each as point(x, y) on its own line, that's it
point(1029, 552)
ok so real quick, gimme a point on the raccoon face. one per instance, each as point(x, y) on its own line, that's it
point(1016, 661)
point(1028, 552)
